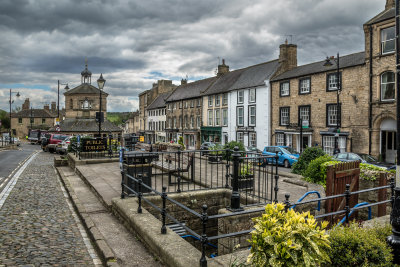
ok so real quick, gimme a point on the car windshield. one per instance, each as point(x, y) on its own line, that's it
point(59, 136)
point(368, 158)
point(290, 150)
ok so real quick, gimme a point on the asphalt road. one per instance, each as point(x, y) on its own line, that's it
point(10, 159)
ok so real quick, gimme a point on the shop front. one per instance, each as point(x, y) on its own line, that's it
point(211, 134)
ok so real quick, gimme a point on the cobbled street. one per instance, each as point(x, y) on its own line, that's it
point(37, 226)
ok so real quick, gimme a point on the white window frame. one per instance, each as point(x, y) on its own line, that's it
point(217, 117)
point(284, 88)
point(240, 137)
point(240, 96)
point(385, 41)
point(332, 115)
point(280, 139)
point(385, 85)
point(210, 100)
point(305, 86)
point(225, 99)
point(333, 81)
point(252, 117)
point(253, 139)
point(240, 116)
point(210, 117)
point(329, 144)
point(225, 117)
point(217, 100)
point(305, 113)
point(252, 95)
point(284, 116)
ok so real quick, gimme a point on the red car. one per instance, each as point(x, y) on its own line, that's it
point(51, 142)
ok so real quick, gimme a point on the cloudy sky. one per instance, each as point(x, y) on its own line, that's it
point(135, 42)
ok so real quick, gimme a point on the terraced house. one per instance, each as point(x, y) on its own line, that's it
point(360, 116)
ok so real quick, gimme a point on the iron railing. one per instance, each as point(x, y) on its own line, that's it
point(112, 150)
point(4, 142)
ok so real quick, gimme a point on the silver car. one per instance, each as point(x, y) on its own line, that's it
point(62, 147)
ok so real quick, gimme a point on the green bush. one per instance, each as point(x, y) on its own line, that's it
point(316, 171)
point(309, 154)
point(246, 169)
point(355, 246)
point(216, 150)
point(288, 239)
point(370, 172)
point(231, 145)
point(180, 141)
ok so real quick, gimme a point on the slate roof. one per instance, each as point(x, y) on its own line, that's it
point(84, 88)
point(384, 15)
point(35, 113)
point(159, 102)
point(318, 67)
point(190, 90)
point(86, 125)
point(248, 77)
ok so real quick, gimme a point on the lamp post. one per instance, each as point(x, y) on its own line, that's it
point(394, 239)
point(328, 63)
point(58, 97)
point(12, 101)
point(100, 82)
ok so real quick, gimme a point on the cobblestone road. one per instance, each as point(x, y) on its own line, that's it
point(37, 227)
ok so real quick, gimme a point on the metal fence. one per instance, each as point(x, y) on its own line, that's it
point(111, 150)
point(4, 142)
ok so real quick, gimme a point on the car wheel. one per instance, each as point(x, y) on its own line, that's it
point(51, 150)
point(286, 163)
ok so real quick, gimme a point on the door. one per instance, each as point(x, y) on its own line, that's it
point(306, 140)
point(389, 146)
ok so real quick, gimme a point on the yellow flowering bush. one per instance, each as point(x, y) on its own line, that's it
point(288, 238)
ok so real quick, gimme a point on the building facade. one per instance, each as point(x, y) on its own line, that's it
point(156, 114)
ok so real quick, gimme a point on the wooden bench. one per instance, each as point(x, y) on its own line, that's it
point(171, 164)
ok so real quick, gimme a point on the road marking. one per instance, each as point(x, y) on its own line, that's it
point(86, 240)
point(10, 185)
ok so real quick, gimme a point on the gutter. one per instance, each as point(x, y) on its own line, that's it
point(370, 91)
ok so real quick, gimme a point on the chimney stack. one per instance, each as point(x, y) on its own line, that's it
point(46, 107)
point(389, 4)
point(287, 57)
point(26, 104)
point(183, 81)
point(222, 69)
point(53, 106)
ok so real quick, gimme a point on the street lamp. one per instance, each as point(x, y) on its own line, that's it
point(100, 82)
point(12, 101)
point(328, 63)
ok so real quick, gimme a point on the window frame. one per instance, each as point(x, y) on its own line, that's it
point(280, 116)
point(237, 116)
point(240, 92)
point(384, 42)
point(255, 139)
point(381, 86)
point(328, 75)
point(242, 135)
point(225, 99)
point(19, 120)
point(217, 119)
point(309, 114)
point(281, 86)
point(309, 87)
point(255, 96)
point(338, 109)
point(223, 118)
point(210, 100)
point(217, 100)
point(249, 115)
point(210, 118)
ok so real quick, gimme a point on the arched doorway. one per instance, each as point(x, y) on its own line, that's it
point(388, 140)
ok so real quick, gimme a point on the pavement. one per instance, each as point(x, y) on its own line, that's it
point(38, 226)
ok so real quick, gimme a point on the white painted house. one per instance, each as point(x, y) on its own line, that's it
point(156, 119)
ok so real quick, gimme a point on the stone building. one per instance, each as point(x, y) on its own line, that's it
point(365, 120)
point(33, 118)
point(81, 105)
point(132, 124)
point(156, 114)
point(147, 97)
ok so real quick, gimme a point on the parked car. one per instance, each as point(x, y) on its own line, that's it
point(51, 142)
point(62, 147)
point(206, 146)
point(252, 153)
point(16, 141)
point(286, 155)
point(363, 158)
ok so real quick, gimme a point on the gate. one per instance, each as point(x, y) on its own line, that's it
point(336, 179)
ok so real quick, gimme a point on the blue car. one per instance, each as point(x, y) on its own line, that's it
point(287, 155)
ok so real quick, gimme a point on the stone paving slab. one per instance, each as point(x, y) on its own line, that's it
point(37, 226)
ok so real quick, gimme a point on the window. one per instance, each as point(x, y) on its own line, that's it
point(332, 115)
point(284, 116)
point(284, 89)
point(199, 102)
point(217, 100)
point(239, 116)
point(225, 117)
point(180, 122)
point(388, 40)
point(186, 122)
point(280, 139)
point(253, 139)
point(239, 137)
point(210, 100)
point(217, 117)
point(305, 86)
point(86, 104)
point(332, 81)
point(32, 120)
point(174, 122)
point(252, 115)
point(186, 104)
point(225, 99)
point(198, 122)
point(240, 97)
point(289, 139)
point(71, 104)
point(387, 86)
point(304, 113)
point(191, 122)
point(19, 120)
point(192, 103)
point(210, 117)
point(170, 123)
point(252, 95)
point(329, 144)
point(180, 104)
point(43, 120)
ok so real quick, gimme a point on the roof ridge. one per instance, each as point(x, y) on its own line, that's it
point(324, 59)
point(377, 16)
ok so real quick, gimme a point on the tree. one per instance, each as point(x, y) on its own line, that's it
point(5, 119)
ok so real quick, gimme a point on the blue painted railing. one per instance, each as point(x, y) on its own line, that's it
point(305, 195)
point(358, 205)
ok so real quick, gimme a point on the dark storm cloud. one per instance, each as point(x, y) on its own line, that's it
point(133, 43)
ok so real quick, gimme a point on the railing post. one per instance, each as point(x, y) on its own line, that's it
point(123, 177)
point(179, 180)
point(347, 206)
point(139, 210)
point(227, 175)
point(164, 211)
point(204, 219)
point(276, 188)
point(392, 185)
point(287, 202)
point(235, 198)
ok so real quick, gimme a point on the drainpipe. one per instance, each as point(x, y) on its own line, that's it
point(370, 92)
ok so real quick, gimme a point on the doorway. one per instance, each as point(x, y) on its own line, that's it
point(389, 146)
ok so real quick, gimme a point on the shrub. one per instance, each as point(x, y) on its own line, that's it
point(309, 154)
point(288, 239)
point(216, 150)
point(231, 145)
point(355, 246)
point(316, 170)
point(370, 172)
point(246, 169)
point(180, 141)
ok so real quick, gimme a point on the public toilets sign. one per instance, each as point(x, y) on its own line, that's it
point(98, 144)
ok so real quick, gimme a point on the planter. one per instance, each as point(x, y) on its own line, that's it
point(246, 182)
point(214, 158)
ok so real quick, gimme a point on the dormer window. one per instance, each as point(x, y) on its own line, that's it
point(388, 40)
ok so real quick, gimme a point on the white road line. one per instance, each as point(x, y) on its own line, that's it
point(86, 240)
point(9, 187)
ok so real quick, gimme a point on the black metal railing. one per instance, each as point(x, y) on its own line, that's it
point(4, 142)
point(111, 151)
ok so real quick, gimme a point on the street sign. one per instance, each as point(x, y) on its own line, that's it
point(141, 139)
point(58, 128)
point(305, 124)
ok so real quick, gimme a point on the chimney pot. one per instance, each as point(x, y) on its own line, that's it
point(222, 69)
